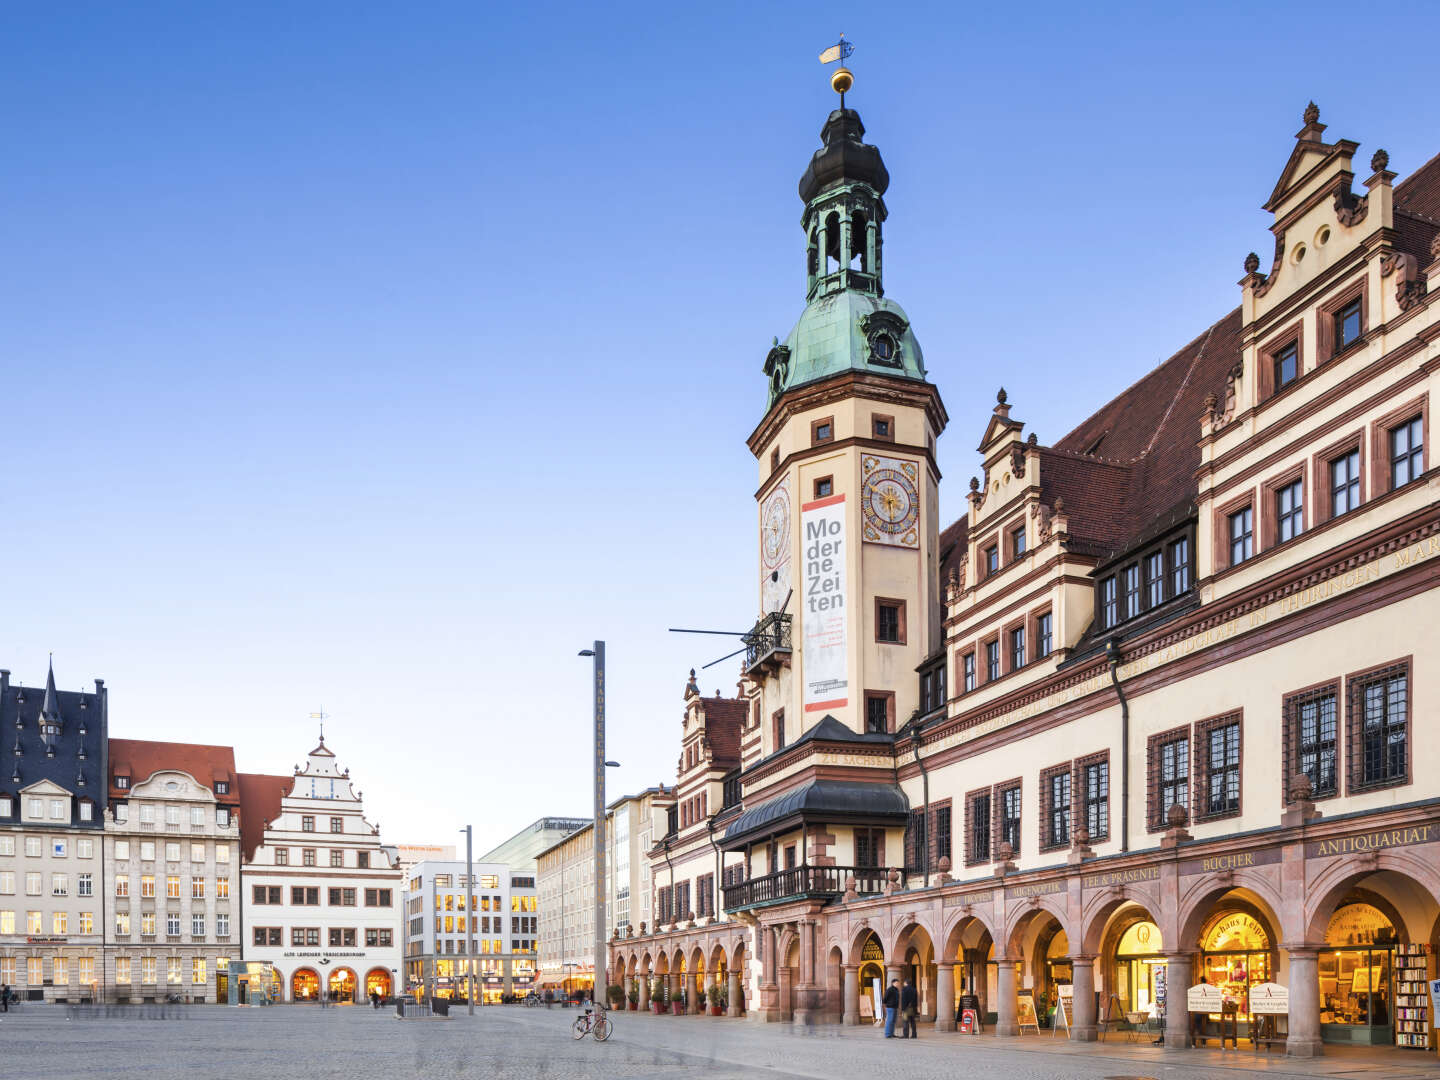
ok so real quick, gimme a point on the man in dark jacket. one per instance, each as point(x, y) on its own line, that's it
point(909, 1006)
point(891, 1001)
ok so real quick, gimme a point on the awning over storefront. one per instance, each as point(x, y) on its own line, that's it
point(821, 802)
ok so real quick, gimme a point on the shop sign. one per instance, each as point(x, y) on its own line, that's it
point(1435, 996)
point(1204, 998)
point(1371, 841)
point(1227, 861)
point(1106, 878)
point(46, 940)
point(1236, 930)
point(1040, 888)
point(961, 899)
point(1270, 999)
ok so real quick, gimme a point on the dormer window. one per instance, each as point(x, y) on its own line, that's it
point(222, 787)
point(1347, 325)
point(122, 782)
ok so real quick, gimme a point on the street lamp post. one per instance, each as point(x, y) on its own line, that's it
point(470, 917)
point(597, 653)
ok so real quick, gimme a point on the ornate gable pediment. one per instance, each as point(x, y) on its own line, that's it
point(46, 787)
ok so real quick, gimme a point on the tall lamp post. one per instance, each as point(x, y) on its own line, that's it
point(597, 654)
point(470, 917)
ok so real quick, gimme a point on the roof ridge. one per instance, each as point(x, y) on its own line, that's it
point(1199, 355)
point(1080, 455)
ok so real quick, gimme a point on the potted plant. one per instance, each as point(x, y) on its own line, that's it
point(615, 995)
point(634, 996)
point(717, 999)
point(659, 996)
point(677, 999)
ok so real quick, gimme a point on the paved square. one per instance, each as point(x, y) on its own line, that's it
point(360, 1044)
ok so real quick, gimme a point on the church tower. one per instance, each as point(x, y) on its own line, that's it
point(848, 486)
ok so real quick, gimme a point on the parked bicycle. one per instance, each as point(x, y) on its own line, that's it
point(590, 1024)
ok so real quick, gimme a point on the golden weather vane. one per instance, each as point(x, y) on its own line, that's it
point(842, 78)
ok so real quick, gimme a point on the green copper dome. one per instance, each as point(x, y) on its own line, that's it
point(848, 324)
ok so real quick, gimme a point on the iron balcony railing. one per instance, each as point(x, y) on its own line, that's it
point(769, 636)
point(804, 881)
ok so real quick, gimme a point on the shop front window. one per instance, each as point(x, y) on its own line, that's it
point(1356, 972)
point(1236, 956)
point(1139, 967)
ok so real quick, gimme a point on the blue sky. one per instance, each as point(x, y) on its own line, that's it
point(378, 357)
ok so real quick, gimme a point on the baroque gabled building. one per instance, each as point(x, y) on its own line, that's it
point(52, 805)
point(1153, 708)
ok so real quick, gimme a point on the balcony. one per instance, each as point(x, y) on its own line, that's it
point(767, 645)
point(804, 883)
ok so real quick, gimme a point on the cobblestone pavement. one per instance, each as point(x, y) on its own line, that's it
point(534, 1044)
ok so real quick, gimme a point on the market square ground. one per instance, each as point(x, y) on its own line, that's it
point(41, 1044)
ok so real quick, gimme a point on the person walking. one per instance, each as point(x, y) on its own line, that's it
point(4, 997)
point(909, 1007)
point(891, 1001)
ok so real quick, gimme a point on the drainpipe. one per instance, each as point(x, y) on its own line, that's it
point(715, 896)
point(1112, 654)
point(925, 790)
point(670, 866)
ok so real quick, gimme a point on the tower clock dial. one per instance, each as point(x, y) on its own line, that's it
point(775, 547)
point(890, 501)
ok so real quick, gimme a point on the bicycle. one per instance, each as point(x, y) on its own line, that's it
point(590, 1024)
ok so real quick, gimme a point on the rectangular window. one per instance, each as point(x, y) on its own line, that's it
point(1055, 790)
point(222, 924)
point(877, 714)
point(822, 431)
point(147, 886)
point(1379, 722)
point(34, 847)
point(307, 856)
point(1010, 817)
point(967, 667)
point(34, 883)
point(824, 487)
point(222, 888)
point(305, 895)
point(85, 885)
point(197, 888)
point(337, 857)
point(1169, 775)
point(172, 815)
point(1131, 577)
point(992, 559)
point(1219, 771)
point(1345, 483)
point(1242, 535)
point(222, 818)
point(122, 969)
point(890, 621)
point(992, 660)
point(882, 427)
point(777, 723)
point(172, 923)
point(939, 835)
point(60, 922)
point(197, 926)
point(197, 815)
point(1286, 365)
point(307, 823)
point(197, 853)
point(1407, 452)
point(59, 884)
point(337, 824)
point(172, 886)
point(1044, 635)
point(1347, 325)
point(1017, 648)
point(1154, 579)
point(1017, 542)
point(7, 883)
point(977, 832)
point(1312, 743)
point(282, 856)
point(869, 844)
point(1180, 566)
point(362, 860)
point(1289, 511)
point(199, 970)
point(1109, 603)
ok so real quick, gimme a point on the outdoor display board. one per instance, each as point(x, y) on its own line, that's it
point(1064, 1007)
point(823, 600)
point(1269, 999)
point(1204, 998)
point(1025, 1011)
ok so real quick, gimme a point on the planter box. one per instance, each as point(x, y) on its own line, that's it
point(717, 1010)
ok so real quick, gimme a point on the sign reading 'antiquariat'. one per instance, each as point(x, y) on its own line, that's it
point(823, 603)
point(1371, 841)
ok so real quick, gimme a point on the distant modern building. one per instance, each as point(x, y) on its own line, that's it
point(503, 926)
point(172, 872)
point(322, 895)
point(520, 850)
point(52, 809)
point(412, 855)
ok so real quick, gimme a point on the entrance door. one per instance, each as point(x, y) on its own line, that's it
point(305, 985)
point(377, 981)
point(342, 986)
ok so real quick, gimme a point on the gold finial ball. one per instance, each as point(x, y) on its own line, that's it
point(841, 80)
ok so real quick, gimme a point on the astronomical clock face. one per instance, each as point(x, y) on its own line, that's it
point(890, 501)
point(775, 546)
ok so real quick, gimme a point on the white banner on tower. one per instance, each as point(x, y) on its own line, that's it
point(823, 601)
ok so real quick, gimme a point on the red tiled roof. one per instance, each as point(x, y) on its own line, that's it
point(260, 795)
point(953, 539)
point(1419, 193)
point(724, 720)
point(140, 759)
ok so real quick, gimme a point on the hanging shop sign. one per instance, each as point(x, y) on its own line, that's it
point(823, 604)
point(1371, 841)
point(1270, 999)
point(1204, 998)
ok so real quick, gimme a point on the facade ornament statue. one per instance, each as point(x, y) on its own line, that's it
point(1380, 161)
point(1312, 113)
point(1252, 263)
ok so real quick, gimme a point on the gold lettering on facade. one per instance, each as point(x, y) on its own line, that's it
point(1374, 841)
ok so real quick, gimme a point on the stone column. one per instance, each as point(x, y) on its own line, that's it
point(870, 263)
point(1007, 1008)
point(809, 995)
point(932, 987)
point(732, 1006)
point(786, 1004)
point(644, 1002)
point(824, 246)
point(846, 253)
point(945, 997)
point(851, 994)
point(1304, 1038)
point(1082, 1024)
point(1177, 1014)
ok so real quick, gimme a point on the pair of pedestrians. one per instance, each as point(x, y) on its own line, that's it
point(906, 1004)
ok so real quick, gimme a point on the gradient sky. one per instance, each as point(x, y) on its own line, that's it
point(380, 356)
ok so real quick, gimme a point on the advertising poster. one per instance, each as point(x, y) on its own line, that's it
point(822, 603)
point(1025, 1011)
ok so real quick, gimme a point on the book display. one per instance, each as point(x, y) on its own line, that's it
point(1412, 996)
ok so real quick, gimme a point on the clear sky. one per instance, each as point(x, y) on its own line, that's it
point(380, 356)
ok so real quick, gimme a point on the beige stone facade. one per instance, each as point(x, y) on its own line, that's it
point(1173, 717)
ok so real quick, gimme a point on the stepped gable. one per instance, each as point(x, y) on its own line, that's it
point(260, 795)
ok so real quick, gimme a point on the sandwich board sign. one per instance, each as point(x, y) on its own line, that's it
point(1025, 1011)
point(1269, 999)
point(1204, 998)
point(1064, 1006)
